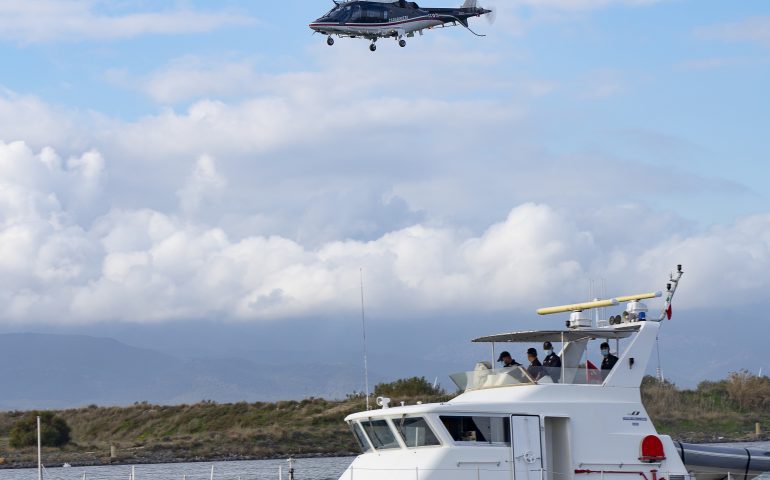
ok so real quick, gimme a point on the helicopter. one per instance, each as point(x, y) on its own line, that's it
point(397, 19)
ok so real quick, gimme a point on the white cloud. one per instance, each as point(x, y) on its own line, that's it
point(192, 78)
point(141, 265)
point(38, 123)
point(204, 184)
point(752, 29)
point(33, 21)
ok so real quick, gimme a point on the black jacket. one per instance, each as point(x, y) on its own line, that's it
point(609, 362)
point(535, 370)
point(552, 362)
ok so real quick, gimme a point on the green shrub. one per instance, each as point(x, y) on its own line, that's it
point(408, 387)
point(54, 431)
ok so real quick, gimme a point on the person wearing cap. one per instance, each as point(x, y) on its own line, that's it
point(609, 360)
point(551, 362)
point(507, 360)
point(535, 368)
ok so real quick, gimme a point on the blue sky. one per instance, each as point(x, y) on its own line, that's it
point(219, 161)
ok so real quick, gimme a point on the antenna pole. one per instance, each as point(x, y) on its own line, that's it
point(39, 452)
point(660, 368)
point(363, 329)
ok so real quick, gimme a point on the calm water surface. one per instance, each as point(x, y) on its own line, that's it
point(305, 469)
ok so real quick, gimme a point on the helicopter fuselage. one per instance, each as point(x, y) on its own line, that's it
point(373, 20)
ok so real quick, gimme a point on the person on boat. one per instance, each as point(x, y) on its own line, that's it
point(535, 368)
point(609, 359)
point(507, 360)
point(551, 362)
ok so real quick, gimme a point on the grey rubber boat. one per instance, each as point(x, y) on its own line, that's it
point(716, 461)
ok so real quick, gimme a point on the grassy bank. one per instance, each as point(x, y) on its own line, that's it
point(726, 410)
point(143, 433)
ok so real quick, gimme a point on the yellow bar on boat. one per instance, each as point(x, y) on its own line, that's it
point(641, 296)
point(576, 307)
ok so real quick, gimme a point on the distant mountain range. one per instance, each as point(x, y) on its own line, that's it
point(229, 362)
point(60, 371)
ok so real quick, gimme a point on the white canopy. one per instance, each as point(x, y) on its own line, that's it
point(561, 335)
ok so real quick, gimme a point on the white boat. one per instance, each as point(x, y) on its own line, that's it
point(571, 423)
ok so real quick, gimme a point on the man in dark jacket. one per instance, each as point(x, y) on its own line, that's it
point(535, 368)
point(609, 359)
point(507, 360)
point(551, 362)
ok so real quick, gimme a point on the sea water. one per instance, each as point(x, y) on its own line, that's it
point(305, 469)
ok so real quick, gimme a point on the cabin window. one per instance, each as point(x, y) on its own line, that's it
point(479, 429)
point(380, 434)
point(416, 432)
point(355, 16)
point(374, 14)
point(360, 437)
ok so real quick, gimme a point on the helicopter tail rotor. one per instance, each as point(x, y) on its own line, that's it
point(491, 15)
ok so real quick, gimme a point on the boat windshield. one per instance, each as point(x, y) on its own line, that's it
point(380, 434)
point(482, 377)
point(360, 437)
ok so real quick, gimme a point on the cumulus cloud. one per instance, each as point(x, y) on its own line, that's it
point(142, 265)
point(320, 155)
point(204, 184)
point(35, 21)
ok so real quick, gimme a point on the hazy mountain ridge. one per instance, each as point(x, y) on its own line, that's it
point(60, 371)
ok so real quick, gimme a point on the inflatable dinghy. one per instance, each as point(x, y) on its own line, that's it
point(715, 461)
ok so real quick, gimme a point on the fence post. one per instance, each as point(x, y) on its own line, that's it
point(212, 473)
point(757, 430)
point(280, 472)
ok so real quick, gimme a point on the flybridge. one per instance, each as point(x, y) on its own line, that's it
point(575, 366)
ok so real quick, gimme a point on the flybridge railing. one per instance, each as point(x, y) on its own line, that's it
point(483, 378)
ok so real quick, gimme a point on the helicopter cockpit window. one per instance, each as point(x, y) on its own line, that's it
point(355, 13)
point(338, 13)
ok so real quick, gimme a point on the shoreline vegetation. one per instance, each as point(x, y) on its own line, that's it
point(716, 411)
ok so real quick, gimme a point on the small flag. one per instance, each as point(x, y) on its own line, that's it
point(668, 311)
point(593, 376)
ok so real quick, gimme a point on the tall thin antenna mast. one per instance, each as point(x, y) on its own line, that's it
point(363, 329)
point(660, 368)
point(39, 451)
